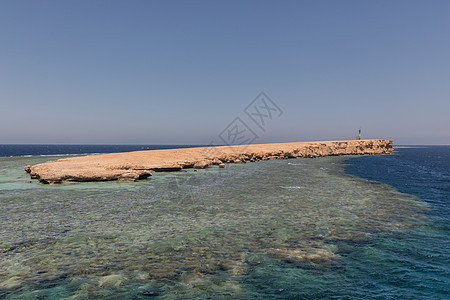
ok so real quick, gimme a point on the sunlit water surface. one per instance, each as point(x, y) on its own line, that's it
point(298, 228)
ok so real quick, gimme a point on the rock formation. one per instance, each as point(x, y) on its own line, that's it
point(132, 166)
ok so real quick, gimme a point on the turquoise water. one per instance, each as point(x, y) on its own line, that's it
point(275, 229)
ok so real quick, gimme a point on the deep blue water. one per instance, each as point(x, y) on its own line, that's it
point(421, 171)
point(424, 252)
point(36, 149)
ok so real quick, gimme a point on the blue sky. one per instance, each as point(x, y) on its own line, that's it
point(178, 72)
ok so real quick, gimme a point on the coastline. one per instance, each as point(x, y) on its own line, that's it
point(229, 230)
point(132, 166)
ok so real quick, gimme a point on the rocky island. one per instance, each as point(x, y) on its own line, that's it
point(132, 166)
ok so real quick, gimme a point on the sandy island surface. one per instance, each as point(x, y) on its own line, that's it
point(131, 166)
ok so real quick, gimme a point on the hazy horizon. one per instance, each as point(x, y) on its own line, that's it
point(180, 73)
point(201, 145)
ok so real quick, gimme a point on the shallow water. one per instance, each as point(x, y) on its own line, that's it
point(275, 229)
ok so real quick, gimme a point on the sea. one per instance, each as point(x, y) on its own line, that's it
point(343, 227)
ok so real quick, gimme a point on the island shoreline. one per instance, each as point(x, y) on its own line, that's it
point(136, 165)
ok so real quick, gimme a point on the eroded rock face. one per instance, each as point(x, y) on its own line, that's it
point(202, 164)
point(27, 168)
point(132, 166)
point(134, 175)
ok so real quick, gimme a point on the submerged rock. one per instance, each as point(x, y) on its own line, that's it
point(10, 283)
point(303, 255)
point(110, 280)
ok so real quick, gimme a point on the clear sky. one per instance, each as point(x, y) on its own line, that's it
point(178, 72)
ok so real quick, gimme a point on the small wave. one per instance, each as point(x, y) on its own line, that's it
point(293, 187)
point(45, 155)
point(293, 164)
point(69, 154)
point(52, 155)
